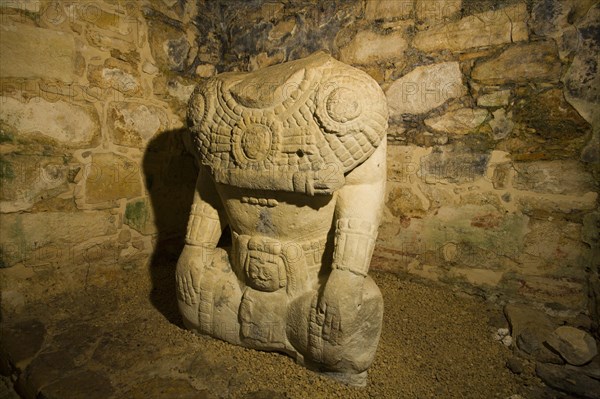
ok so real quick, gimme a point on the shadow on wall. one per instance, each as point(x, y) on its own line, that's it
point(170, 176)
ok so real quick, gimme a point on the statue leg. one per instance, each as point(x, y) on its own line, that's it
point(215, 312)
point(348, 358)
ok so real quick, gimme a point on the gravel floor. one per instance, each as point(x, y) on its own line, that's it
point(126, 341)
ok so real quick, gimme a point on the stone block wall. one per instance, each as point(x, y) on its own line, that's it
point(493, 161)
point(94, 174)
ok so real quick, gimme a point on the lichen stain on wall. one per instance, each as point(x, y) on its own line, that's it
point(493, 140)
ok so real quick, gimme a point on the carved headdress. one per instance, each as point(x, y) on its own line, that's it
point(298, 126)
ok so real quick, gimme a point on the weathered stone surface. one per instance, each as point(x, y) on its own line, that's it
point(591, 369)
point(582, 80)
point(179, 90)
point(574, 345)
point(282, 29)
point(550, 115)
point(403, 163)
point(31, 52)
point(124, 23)
point(27, 179)
point(590, 232)
point(48, 237)
point(527, 62)
point(531, 328)
point(555, 177)
point(425, 88)
point(553, 248)
point(133, 124)
point(460, 121)
point(69, 124)
point(388, 9)
point(502, 124)
point(494, 99)
point(478, 230)
point(169, 45)
point(205, 70)
point(506, 25)
point(117, 75)
point(434, 12)
point(557, 203)
point(268, 194)
point(109, 41)
point(370, 47)
point(453, 163)
point(111, 177)
point(139, 216)
point(405, 201)
point(568, 380)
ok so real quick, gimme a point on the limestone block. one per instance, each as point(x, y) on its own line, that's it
point(460, 121)
point(546, 126)
point(370, 47)
point(453, 163)
point(435, 12)
point(116, 74)
point(404, 200)
point(293, 159)
point(554, 177)
point(110, 177)
point(388, 9)
point(48, 237)
point(169, 45)
point(68, 124)
point(134, 124)
point(403, 163)
point(111, 41)
point(521, 63)
point(491, 28)
point(425, 88)
point(30, 52)
point(27, 179)
point(553, 247)
point(494, 99)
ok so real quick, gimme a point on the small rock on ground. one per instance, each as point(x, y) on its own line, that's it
point(574, 345)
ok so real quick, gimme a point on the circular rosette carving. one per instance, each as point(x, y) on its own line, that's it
point(346, 103)
point(255, 141)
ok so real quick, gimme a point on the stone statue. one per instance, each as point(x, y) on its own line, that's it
point(292, 160)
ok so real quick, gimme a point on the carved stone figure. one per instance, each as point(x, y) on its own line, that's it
point(292, 160)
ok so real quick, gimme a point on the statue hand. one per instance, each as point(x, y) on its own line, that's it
point(189, 272)
point(338, 305)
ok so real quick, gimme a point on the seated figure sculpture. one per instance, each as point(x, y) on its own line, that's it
point(292, 160)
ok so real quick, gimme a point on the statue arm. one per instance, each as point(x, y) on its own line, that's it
point(206, 223)
point(357, 217)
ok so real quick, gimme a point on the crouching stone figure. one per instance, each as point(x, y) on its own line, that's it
point(292, 160)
